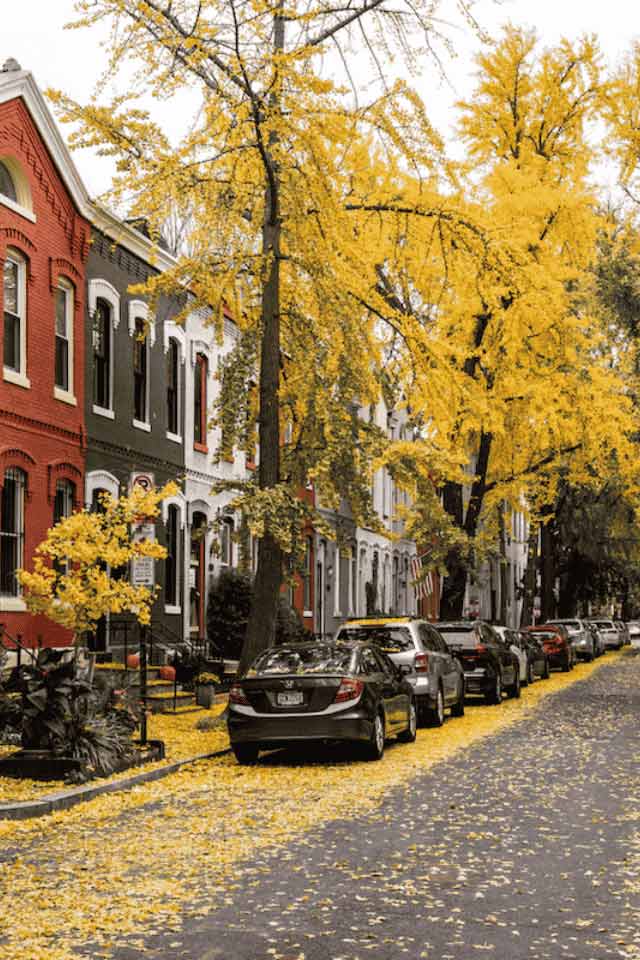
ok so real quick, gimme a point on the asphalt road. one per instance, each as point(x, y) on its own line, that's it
point(526, 845)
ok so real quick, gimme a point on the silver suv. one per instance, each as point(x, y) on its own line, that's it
point(582, 640)
point(419, 651)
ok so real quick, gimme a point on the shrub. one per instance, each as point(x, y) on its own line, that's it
point(228, 611)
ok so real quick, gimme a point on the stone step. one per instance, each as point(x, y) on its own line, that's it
point(163, 703)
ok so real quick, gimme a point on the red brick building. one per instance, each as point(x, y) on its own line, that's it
point(44, 242)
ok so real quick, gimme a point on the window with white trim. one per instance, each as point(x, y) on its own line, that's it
point(64, 336)
point(226, 542)
point(173, 388)
point(12, 498)
point(14, 289)
point(102, 349)
point(7, 186)
point(172, 560)
point(140, 372)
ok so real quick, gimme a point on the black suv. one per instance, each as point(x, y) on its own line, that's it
point(488, 663)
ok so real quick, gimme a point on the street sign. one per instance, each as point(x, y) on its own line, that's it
point(141, 480)
point(143, 568)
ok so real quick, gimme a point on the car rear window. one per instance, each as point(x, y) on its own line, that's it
point(390, 639)
point(571, 625)
point(458, 636)
point(542, 634)
point(304, 660)
point(604, 625)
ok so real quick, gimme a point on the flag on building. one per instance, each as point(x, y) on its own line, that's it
point(422, 585)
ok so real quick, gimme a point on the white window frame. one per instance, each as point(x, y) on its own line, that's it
point(68, 395)
point(23, 204)
point(102, 290)
point(179, 505)
point(227, 528)
point(19, 377)
point(174, 332)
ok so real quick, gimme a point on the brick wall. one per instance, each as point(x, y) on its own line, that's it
point(39, 433)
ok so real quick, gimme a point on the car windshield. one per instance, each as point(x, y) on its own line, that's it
point(303, 660)
point(388, 638)
point(572, 625)
point(458, 635)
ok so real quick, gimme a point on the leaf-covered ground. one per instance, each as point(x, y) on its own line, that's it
point(297, 849)
point(179, 732)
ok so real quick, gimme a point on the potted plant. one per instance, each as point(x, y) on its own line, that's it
point(206, 684)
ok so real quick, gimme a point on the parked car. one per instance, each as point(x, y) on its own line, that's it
point(598, 639)
point(320, 691)
point(623, 631)
point(517, 647)
point(581, 637)
point(634, 633)
point(538, 661)
point(610, 633)
point(489, 665)
point(436, 675)
point(556, 643)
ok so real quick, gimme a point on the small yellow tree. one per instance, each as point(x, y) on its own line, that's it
point(72, 581)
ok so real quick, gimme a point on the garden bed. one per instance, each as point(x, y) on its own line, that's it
point(181, 737)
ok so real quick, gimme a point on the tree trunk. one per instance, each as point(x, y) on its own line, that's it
point(455, 583)
point(504, 570)
point(268, 580)
point(526, 614)
point(548, 599)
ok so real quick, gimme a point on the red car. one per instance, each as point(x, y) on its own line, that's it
point(557, 644)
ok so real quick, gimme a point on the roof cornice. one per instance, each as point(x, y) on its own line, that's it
point(21, 85)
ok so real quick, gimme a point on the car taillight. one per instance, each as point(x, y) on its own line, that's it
point(421, 663)
point(480, 648)
point(348, 690)
point(236, 695)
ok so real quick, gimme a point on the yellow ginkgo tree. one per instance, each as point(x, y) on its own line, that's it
point(74, 580)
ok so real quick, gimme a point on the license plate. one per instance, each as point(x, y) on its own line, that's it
point(290, 699)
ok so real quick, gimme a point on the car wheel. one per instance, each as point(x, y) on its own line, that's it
point(436, 714)
point(375, 747)
point(546, 672)
point(245, 752)
point(530, 674)
point(457, 710)
point(409, 735)
point(494, 696)
point(566, 666)
point(514, 689)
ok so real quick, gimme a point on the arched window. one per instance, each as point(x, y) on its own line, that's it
point(173, 388)
point(140, 374)
point(102, 351)
point(200, 403)
point(12, 497)
point(7, 186)
point(172, 561)
point(64, 337)
point(14, 289)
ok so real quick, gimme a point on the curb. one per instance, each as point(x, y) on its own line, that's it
point(70, 798)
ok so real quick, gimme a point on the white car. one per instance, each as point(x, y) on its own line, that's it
point(634, 633)
point(610, 633)
point(512, 637)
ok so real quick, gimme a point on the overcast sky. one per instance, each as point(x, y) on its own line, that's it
point(71, 59)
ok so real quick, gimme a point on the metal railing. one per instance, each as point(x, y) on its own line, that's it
point(15, 645)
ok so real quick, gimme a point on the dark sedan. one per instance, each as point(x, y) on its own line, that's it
point(489, 665)
point(557, 645)
point(320, 691)
point(537, 660)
